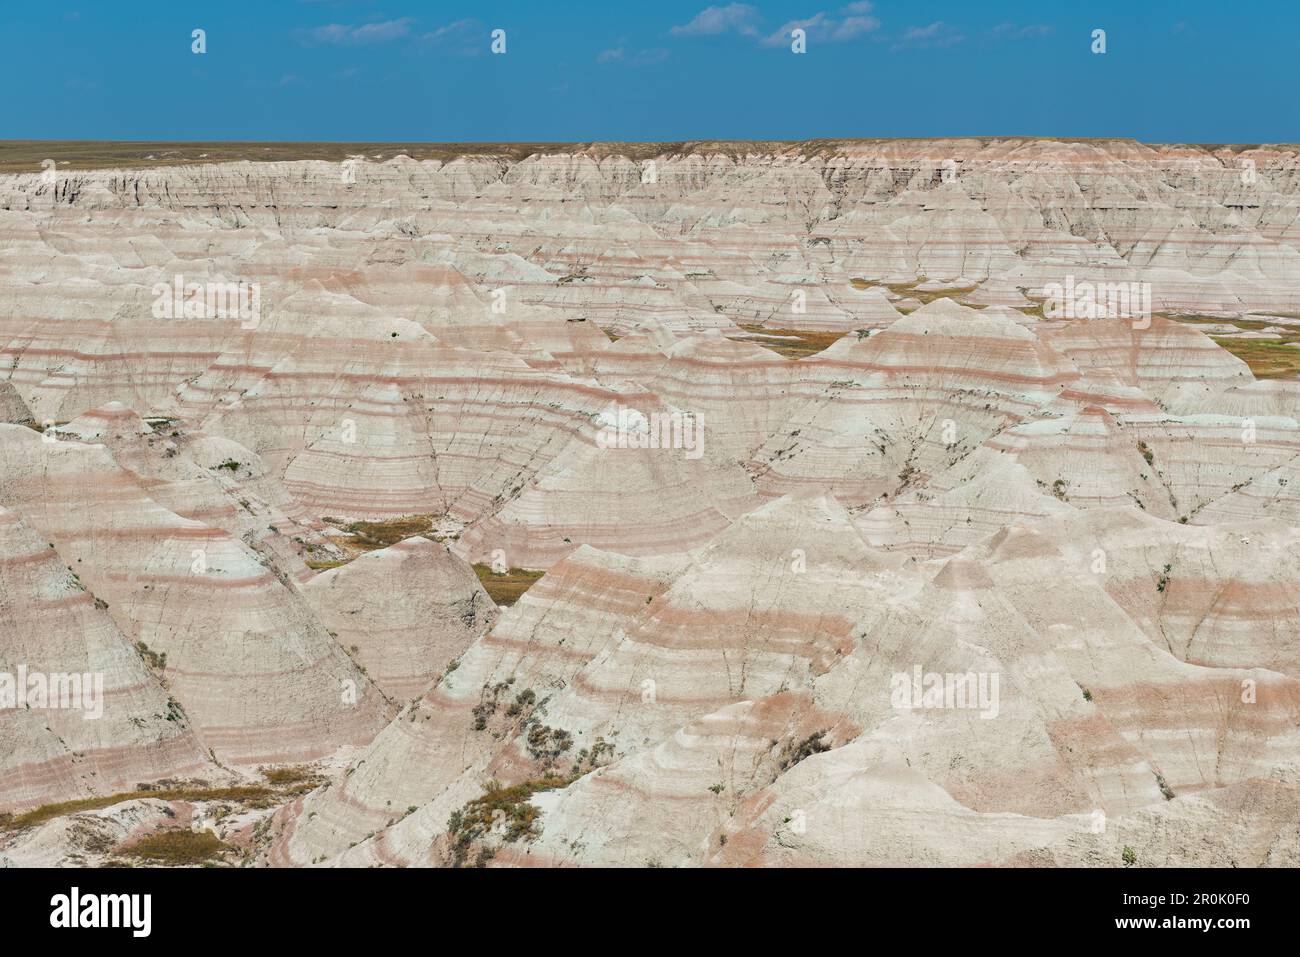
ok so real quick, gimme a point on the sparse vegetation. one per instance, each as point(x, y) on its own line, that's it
point(326, 564)
point(815, 743)
point(370, 536)
point(248, 795)
point(590, 757)
point(506, 589)
point(287, 776)
point(1165, 789)
point(156, 661)
point(546, 744)
point(910, 290)
point(1267, 358)
point(488, 699)
point(525, 699)
point(504, 811)
point(177, 848)
point(500, 810)
point(791, 343)
point(175, 713)
point(1129, 856)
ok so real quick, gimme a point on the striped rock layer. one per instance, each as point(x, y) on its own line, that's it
point(794, 433)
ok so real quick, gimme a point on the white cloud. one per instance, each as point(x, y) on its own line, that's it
point(467, 37)
point(330, 33)
point(378, 32)
point(821, 27)
point(640, 58)
point(651, 56)
point(849, 22)
point(733, 18)
point(936, 34)
point(923, 33)
point(1009, 31)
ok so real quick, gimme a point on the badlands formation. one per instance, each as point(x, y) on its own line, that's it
point(835, 541)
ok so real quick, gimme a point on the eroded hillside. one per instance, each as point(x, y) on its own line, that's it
point(624, 505)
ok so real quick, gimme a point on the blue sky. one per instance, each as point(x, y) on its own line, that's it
point(1192, 71)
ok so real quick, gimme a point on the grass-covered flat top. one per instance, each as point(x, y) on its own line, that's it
point(18, 156)
point(27, 155)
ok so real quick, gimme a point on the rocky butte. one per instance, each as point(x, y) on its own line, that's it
point(409, 557)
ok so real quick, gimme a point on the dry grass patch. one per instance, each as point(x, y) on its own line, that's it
point(506, 589)
point(320, 566)
point(296, 775)
point(1251, 325)
point(1267, 358)
point(506, 811)
point(177, 848)
point(370, 536)
point(500, 809)
point(251, 796)
point(791, 343)
point(909, 290)
point(925, 296)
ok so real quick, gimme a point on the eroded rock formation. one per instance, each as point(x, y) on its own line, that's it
point(855, 549)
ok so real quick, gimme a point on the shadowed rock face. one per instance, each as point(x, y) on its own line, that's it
point(857, 548)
